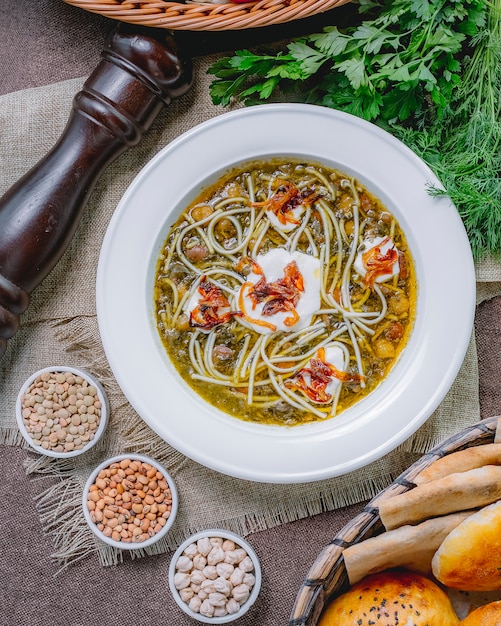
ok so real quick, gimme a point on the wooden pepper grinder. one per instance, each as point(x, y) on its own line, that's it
point(140, 71)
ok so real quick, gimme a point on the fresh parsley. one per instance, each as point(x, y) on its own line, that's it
point(402, 55)
point(429, 71)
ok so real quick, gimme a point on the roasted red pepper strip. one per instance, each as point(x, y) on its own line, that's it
point(281, 295)
point(286, 198)
point(321, 374)
point(249, 286)
point(378, 264)
point(206, 314)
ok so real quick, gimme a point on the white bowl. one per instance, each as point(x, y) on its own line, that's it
point(427, 366)
point(118, 543)
point(103, 420)
point(254, 591)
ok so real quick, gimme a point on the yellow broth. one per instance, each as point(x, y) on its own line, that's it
point(253, 376)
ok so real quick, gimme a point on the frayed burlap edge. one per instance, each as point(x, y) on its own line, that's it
point(60, 513)
point(59, 505)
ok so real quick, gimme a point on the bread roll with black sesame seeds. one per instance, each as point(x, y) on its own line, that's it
point(390, 598)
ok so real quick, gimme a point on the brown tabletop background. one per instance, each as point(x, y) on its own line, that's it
point(43, 42)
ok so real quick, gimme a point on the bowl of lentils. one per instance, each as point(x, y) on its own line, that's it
point(215, 576)
point(62, 411)
point(130, 501)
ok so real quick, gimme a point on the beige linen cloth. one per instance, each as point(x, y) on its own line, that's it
point(60, 328)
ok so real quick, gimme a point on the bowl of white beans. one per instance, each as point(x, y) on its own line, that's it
point(130, 501)
point(62, 411)
point(215, 576)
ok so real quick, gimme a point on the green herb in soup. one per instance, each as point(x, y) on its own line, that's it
point(285, 293)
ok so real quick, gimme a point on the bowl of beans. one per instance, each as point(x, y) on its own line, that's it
point(130, 501)
point(215, 576)
point(62, 411)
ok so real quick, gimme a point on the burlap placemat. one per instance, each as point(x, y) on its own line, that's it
point(60, 328)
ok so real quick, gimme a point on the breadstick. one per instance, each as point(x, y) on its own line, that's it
point(461, 491)
point(411, 547)
point(461, 461)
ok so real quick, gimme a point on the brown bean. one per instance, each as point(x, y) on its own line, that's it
point(384, 348)
point(197, 253)
point(201, 211)
point(399, 304)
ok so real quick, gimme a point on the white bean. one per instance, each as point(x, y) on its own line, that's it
point(228, 544)
point(217, 599)
point(208, 586)
point(241, 593)
point(220, 611)
point(186, 594)
point(210, 572)
point(197, 577)
point(223, 586)
point(246, 564)
point(232, 606)
point(204, 546)
point(240, 554)
point(237, 577)
point(216, 555)
point(207, 609)
point(217, 542)
point(184, 564)
point(195, 603)
point(199, 561)
point(225, 570)
point(231, 557)
point(181, 580)
point(191, 550)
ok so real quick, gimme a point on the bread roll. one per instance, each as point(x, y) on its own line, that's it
point(487, 615)
point(469, 558)
point(391, 597)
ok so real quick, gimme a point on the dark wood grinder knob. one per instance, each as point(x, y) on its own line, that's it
point(140, 71)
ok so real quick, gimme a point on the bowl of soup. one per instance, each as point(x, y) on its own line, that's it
point(279, 272)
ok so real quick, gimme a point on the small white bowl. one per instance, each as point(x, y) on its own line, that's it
point(134, 545)
point(103, 418)
point(240, 542)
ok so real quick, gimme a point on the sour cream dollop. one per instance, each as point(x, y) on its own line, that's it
point(291, 223)
point(382, 255)
point(323, 392)
point(208, 306)
point(273, 265)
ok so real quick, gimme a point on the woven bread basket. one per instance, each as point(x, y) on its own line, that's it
point(327, 577)
point(206, 16)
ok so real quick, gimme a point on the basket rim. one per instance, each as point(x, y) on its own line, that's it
point(205, 16)
point(327, 576)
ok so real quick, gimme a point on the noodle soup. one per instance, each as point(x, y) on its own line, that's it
point(285, 293)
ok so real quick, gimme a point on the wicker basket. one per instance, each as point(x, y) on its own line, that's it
point(327, 577)
point(207, 16)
